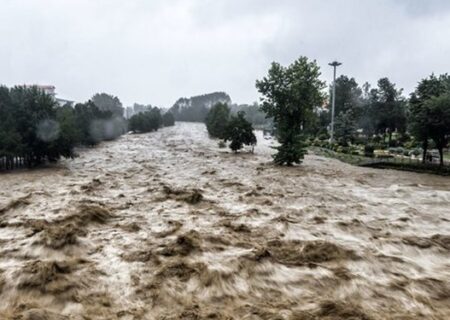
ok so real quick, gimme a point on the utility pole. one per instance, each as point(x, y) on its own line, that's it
point(334, 64)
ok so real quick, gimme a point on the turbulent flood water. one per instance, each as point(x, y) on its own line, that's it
point(168, 226)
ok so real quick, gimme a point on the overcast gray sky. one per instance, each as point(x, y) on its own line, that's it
point(151, 51)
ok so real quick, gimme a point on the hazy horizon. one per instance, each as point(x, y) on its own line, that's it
point(155, 52)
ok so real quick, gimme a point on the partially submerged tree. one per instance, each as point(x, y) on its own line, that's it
point(146, 121)
point(217, 119)
point(31, 131)
point(289, 96)
point(168, 119)
point(239, 131)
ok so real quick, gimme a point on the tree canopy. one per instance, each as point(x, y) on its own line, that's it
point(217, 119)
point(429, 112)
point(30, 132)
point(289, 97)
point(239, 131)
point(146, 121)
point(168, 119)
point(107, 102)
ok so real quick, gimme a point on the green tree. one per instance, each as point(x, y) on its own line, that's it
point(146, 121)
point(345, 127)
point(107, 102)
point(438, 121)
point(418, 118)
point(168, 119)
point(217, 119)
point(387, 108)
point(239, 131)
point(348, 95)
point(289, 96)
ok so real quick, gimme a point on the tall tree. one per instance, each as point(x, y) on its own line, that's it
point(348, 95)
point(345, 127)
point(438, 114)
point(427, 88)
point(217, 119)
point(289, 96)
point(107, 102)
point(387, 108)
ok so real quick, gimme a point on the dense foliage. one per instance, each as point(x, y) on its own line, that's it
point(289, 97)
point(94, 125)
point(107, 102)
point(429, 112)
point(239, 131)
point(168, 119)
point(29, 131)
point(196, 108)
point(146, 121)
point(217, 119)
point(34, 129)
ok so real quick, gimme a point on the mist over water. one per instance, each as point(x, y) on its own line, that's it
point(168, 226)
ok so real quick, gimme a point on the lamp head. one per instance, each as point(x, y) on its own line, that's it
point(335, 64)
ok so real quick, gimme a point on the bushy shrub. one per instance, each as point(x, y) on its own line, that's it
point(415, 152)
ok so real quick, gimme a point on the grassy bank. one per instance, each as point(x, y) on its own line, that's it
point(404, 164)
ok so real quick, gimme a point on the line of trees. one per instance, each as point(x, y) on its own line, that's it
point(34, 129)
point(293, 96)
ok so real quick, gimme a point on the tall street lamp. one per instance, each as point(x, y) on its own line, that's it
point(334, 64)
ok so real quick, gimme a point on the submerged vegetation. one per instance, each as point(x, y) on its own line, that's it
point(234, 128)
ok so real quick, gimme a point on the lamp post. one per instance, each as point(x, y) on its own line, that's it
point(334, 64)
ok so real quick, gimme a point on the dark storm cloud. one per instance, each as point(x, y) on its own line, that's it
point(156, 51)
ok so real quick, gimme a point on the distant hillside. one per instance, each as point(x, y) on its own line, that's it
point(195, 108)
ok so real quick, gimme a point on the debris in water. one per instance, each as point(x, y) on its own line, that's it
point(183, 245)
point(49, 277)
point(16, 203)
point(297, 253)
point(191, 196)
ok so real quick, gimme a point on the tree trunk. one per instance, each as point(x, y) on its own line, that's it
point(441, 156)
point(425, 147)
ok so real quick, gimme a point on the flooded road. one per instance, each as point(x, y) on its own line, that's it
point(168, 226)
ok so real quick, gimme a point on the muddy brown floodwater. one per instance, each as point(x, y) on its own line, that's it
point(168, 226)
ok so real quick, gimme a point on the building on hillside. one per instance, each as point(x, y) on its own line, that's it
point(48, 89)
point(51, 90)
point(63, 102)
